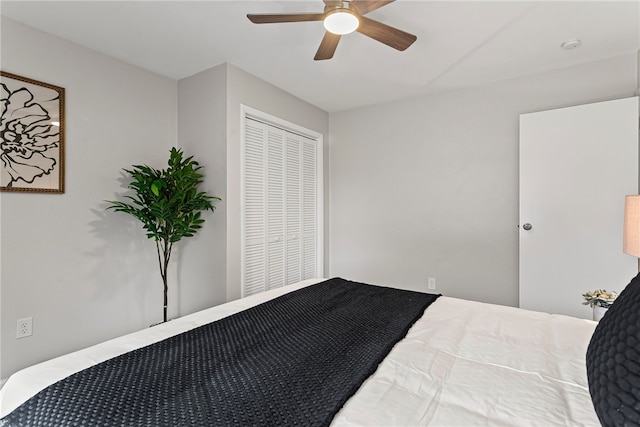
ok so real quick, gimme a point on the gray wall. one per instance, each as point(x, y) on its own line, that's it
point(429, 186)
point(83, 274)
point(202, 132)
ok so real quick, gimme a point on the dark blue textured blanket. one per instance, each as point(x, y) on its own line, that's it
point(294, 360)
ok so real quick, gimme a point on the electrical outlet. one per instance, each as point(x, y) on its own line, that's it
point(431, 283)
point(24, 327)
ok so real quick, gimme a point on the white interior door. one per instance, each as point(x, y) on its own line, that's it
point(576, 166)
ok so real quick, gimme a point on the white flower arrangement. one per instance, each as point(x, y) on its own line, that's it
point(599, 298)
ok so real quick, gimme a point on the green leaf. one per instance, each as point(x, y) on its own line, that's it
point(155, 188)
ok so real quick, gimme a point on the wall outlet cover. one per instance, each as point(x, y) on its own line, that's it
point(24, 327)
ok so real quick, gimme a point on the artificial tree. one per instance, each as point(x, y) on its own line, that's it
point(168, 204)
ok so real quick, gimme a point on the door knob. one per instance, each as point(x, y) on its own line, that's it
point(527, 226)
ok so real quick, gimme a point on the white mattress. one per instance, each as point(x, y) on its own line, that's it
point(462, 363)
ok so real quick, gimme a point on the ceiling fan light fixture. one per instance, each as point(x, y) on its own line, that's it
point(341, 21)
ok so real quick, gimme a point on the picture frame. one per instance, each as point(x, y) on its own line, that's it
point(32, 130)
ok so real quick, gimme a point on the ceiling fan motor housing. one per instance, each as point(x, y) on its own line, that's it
point(341, 20)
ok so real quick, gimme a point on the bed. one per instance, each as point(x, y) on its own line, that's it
point(460, 363)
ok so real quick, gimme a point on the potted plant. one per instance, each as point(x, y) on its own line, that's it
point(168, 204)
point(599, 300)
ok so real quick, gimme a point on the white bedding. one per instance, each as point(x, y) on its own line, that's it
point(462, 363)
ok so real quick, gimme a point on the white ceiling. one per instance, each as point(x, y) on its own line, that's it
point(460, 43)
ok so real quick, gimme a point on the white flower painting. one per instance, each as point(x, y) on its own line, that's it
point(31, 135)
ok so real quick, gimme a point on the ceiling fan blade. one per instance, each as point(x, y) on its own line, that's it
point(365, 6)
point(327, 46)
point(390, 36)
point(271, 18)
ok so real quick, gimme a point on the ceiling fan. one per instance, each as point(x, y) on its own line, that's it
point(344, 17)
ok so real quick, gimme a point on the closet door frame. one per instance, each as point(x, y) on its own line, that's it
point(251, 113)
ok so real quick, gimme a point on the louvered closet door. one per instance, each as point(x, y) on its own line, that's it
point(309, 209)
point(280, 208)
point(275, 220)
point(254, 255)
point(293, 209)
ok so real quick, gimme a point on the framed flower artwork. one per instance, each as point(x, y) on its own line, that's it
point(31, 135)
